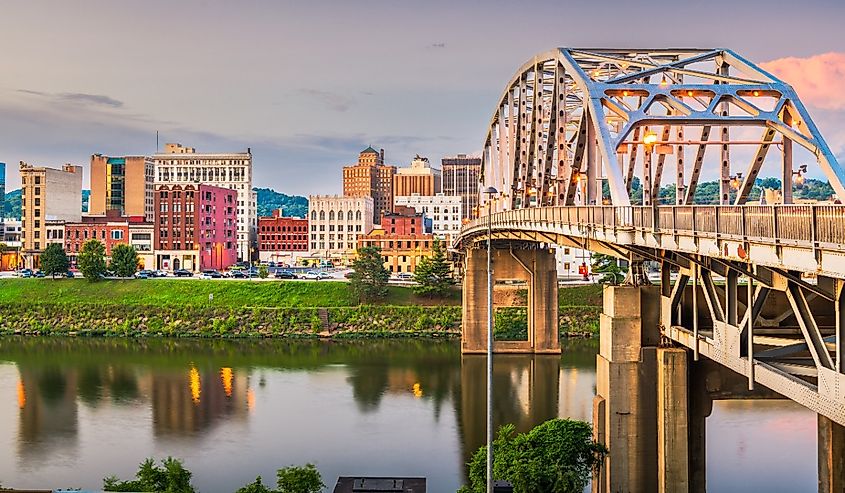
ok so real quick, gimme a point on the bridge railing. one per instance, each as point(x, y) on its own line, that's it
point(796, 224)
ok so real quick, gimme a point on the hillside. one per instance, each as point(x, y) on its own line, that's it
point(291, 205)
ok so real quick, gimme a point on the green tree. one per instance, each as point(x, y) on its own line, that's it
point(608, 266)
point(92, 260)
point(263, 271)
point(433, 274)
point(54, 260)
point(558, 456)
point(171, 478)
point(255, 487)
point(124, 260)
point(369, 277)
point(294, 479)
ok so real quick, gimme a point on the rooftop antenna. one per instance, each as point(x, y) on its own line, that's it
point(156, 141)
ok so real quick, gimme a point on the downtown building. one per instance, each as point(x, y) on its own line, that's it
point(111, 229)
point(371, 178)
point(124, 184)
point(461, 176)
point(195, 227)
point(336, 222)
point(419, 178)
point(180, 165)
point(404, 238)
point(282, 239)
point(444, 211)
point(49, 198)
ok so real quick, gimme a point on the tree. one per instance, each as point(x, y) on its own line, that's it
point(369, 277)
point(54, 260)
point(254, 487)
point(433, 274)
point(295, 479)
point(92, 260)
point(172, 478)
point(558, 456)
point(124, 260)
point(609, 267)
point(263, 271)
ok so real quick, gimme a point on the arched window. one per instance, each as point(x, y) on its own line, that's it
point(322, 215)
point(313, 215)
point(331, 215)
point(358, 215)
point(349, 215)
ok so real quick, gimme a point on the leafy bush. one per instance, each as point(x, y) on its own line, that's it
point(294, 479)
point(172, 478)
point(557, 456)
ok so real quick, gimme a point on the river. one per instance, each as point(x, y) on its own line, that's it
point(73, 411)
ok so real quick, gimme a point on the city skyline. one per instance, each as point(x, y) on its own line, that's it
point(307, 91)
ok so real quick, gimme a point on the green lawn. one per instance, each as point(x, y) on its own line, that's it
point(196, 292)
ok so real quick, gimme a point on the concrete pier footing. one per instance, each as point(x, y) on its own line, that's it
point(831, 456)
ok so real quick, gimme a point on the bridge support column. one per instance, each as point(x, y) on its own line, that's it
point(831, 456)
point(474, 314)
point(672, 421)
point(625, 410)
point(537, 267)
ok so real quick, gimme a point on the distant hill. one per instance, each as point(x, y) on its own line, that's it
point(291, 205)
point(12, 204)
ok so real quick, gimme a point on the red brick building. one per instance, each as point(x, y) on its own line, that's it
point(110, 229)
point(404, 239)
point(404, 221)
point(195, 227)
point(282, 238)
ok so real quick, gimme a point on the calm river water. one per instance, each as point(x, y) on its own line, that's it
point(75, 410)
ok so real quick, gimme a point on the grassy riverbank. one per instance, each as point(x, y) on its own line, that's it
point(240, 309)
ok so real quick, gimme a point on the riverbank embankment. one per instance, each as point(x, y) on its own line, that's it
point(244, 309)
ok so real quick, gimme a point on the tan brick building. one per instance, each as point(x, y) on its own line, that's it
point(371, 178)
point(47, 195)
point(419, 178)
point(124, 184)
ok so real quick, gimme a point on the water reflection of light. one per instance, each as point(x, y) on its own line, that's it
point(250, 399)
point(418, 392)
point(194, 378)
point(226, 377)
point(21, 395)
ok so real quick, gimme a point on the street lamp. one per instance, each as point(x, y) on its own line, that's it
point(489, 191)
point(799, 176)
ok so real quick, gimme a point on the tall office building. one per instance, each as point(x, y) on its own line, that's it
point(48, 195)
point(419, 178)
point(460, 178)
point(371, 178)
point(444, 212)
point(124, 184)
point(179, 165)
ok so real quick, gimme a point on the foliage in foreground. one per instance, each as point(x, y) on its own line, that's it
point(291, 479)
point(171, 478)
point(608, 266)
point(124, 260)
point(557, 456)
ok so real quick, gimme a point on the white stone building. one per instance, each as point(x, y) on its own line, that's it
point(443, 210)
point(569, 261)
point(179, 165)
point(335, 222)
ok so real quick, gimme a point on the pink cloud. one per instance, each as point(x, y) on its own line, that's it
point(819, 79)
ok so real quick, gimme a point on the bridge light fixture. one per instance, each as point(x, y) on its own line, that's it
point(649, 139)
point(735, 181)
point(664, 82)
point(755, 93)
point(799, 179)
point(490, 192)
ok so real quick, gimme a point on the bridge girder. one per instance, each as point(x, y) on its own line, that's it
point(572, 120)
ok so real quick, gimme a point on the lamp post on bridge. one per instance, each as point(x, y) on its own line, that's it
point(489, 191)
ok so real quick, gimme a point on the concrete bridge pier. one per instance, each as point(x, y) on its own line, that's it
point(831, 456)
point(625, 406)
point(535, 266)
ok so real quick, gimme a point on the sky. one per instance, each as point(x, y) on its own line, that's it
point(307, 85)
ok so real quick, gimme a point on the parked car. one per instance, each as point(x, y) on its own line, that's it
point(349, 274)
point(316, 275)
point(182, 273)
point(211, 274)
point(285, 274)
point(159, 273)
point(69, 275)
point(25, 273)
point(405, 276)
point(144, 274)
point(39, 274)
point(237, 274)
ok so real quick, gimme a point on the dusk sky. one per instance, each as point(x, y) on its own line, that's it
point(307, 85)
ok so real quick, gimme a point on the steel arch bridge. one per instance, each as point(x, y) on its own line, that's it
point(576, 129)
